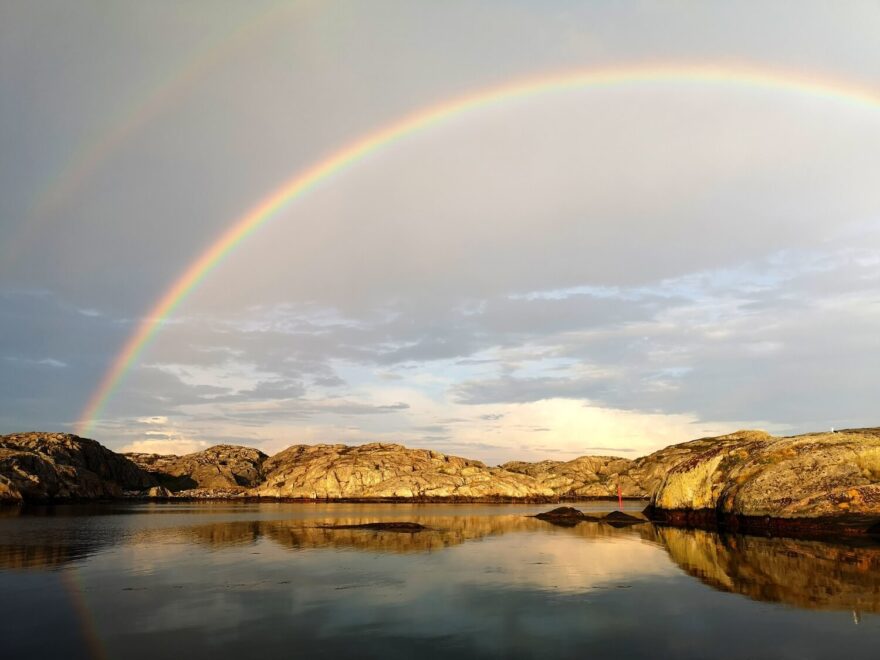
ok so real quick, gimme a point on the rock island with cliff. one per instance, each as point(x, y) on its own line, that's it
point(810, 483)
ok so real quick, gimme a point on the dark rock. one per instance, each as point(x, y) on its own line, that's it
point(565, 516)
point(621, 519)
point(382, 526)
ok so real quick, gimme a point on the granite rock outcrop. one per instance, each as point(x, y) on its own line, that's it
point(736, 480)
point(228, 468)
point(380, 470)
point(53, 466)
point(753, 474)
point(585, 476)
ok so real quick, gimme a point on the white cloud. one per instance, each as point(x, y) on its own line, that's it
point(41, 362)
point(169, 446)
point(616, 265)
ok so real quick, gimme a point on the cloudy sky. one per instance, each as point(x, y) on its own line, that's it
point(604, 270)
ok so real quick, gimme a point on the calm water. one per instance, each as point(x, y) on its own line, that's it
point(237, 581)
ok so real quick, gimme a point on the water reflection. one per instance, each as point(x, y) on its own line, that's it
point(48, 540)
point(54, 553)
point(806, 574)
point(442, 532)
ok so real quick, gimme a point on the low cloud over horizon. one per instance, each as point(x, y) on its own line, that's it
point(605, 270)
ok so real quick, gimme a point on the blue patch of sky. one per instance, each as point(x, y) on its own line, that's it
point(770, 273)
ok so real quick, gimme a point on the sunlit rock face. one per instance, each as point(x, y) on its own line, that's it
point(586, 476)
point(651, 471)
point(810, 574)
point(222, 467)
point(387, 470)
point(44, 466)
point(751, 473)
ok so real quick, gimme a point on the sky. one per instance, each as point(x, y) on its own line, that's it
point(597, 271)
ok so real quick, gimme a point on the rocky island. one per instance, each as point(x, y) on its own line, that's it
point(747, 480)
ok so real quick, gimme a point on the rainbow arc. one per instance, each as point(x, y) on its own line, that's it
point(302, 182)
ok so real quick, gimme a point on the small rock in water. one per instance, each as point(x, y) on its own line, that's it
point(565, 516)
point(621, 519)
point(382, 526)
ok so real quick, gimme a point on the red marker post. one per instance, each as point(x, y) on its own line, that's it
point(619, 497)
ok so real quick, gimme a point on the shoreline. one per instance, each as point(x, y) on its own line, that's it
point(257, 499)
point(814, 485)
point(844, 525)
point(823, 528)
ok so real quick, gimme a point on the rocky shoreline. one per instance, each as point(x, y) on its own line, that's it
point(417, 499)
point(749, 481)
point(814, 528)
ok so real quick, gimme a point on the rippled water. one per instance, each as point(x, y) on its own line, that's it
point(213, 580)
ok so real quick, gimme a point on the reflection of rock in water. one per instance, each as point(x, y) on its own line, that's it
point(45, 555)
point(46, 546)
point(348, 532)
point(441, 532)
point(809, 574)
point(221, 535)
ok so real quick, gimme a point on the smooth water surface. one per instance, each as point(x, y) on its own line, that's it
point(221, 580)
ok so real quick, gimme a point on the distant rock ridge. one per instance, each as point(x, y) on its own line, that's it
point(737, 479)
point(221, 467)
point(586, 476)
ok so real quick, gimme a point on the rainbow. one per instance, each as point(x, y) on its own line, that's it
point(86, 160)
point(304, 181)
point(73, 584)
